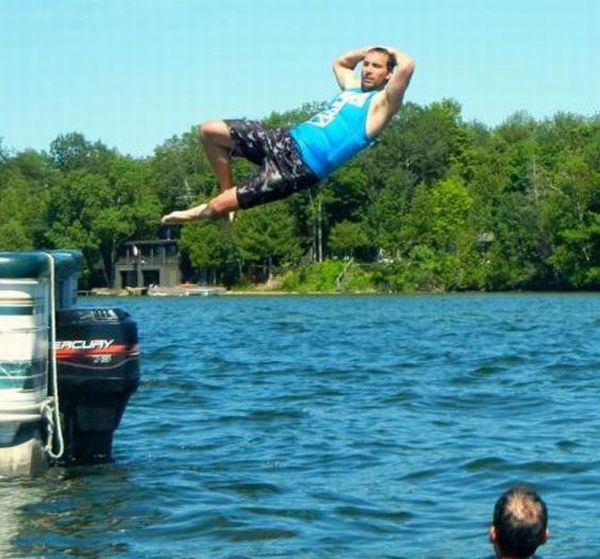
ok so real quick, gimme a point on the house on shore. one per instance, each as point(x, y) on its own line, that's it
point(144, 263)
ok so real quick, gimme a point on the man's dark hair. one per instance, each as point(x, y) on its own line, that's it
point(391, 59)
point(520, 520)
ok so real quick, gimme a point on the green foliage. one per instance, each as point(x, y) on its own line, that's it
point(101, 200)
point(24, 184)
point(266, 235)
point(179, 172)
point(346, 238)
point(423, 141)
point(327, 277)
point(356, 280)
point(317, 278)
point(72, 151)
point(346, 193)
point(439, 215)
point(210, 248)
point(290, 281)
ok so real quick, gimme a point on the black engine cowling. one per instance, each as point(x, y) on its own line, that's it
point(98, 370)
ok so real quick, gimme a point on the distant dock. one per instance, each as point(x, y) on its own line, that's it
point(183, 290)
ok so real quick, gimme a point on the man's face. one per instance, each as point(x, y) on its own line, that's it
point(374, 73)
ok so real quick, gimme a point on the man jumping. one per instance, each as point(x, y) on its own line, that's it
point(292, 160)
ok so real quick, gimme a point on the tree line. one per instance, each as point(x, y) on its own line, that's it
point(436, 204)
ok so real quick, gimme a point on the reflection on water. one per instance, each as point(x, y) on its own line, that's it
point(16, 495)
point(79, 512)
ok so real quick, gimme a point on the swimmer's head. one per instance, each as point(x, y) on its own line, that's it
point(520, 523)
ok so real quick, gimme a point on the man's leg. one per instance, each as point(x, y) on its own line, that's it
point(219, 206)
point(217, 142)
point(281, 173)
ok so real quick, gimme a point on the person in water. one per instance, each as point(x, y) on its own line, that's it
point(520, 523)
point(292, 160)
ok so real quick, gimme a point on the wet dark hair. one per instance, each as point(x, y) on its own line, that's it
point(391, 61)
point(520, 520)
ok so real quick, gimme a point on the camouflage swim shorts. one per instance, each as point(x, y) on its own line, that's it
point(282, 171)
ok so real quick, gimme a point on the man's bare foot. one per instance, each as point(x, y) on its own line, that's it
point(203, 211)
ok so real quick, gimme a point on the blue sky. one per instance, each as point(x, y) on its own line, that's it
point(132, 73)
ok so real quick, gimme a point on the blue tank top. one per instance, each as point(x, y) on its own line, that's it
point(334, 135)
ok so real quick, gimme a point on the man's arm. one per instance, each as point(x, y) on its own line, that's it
point(343, 67)
point(398, 83)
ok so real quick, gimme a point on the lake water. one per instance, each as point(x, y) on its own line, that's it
point(321, 427)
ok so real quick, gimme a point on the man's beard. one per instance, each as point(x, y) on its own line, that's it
point(372, 87)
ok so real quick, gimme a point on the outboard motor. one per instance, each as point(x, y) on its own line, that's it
point(98, 370)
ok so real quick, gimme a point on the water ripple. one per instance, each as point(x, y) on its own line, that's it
point(334, 427)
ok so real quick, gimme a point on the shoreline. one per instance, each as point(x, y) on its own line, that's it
point(222, 292)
